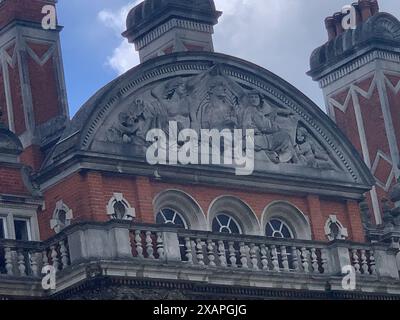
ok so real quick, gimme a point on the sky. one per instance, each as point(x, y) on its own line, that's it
point(278, 35)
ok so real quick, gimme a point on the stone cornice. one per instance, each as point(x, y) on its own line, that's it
point(345, 68)
point(169, 25)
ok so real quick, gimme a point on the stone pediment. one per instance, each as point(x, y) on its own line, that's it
point(292, 136)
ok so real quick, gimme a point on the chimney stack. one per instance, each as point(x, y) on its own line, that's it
point(338, 16)
point(365, 7)
point(364, 10)
point(330, 27)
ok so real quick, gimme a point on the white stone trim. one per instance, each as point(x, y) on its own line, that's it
point(55, 223)
point(343, 232)
point(357, 64)
point(184, 204)
point(295, 219)
point(239, 210)
point(170, 24)
point(119, 197)
point(395, 89)
point(21, 212)
point(385, 185)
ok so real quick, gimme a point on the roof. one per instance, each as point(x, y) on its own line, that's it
point(151, 13)
point(95, 131)
point(380, 31)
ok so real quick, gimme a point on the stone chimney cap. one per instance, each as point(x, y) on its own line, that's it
point(150, 13)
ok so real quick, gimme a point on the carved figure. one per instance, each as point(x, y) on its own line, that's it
point(309, 153)
point(269, 137)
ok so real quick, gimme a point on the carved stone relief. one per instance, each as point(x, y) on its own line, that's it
point(211, 100)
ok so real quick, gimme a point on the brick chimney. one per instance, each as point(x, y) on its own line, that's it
point(359, 73)
point(32, 88)
point(364, 10)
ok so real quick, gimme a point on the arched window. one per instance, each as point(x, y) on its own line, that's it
point(276, 228)
point(179, 208)
point(119, 208)
point(62, 217)
point(170, 216)
point(229, 214)
point(334, 230)
point(283, 220)
point(224, 223)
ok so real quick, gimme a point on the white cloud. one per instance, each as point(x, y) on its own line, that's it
point(235, 33)
point(277, 35)
point(124, 56)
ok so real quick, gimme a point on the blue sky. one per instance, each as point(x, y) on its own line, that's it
point(278, 35)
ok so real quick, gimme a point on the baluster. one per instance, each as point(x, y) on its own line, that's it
point(314, 260)
point(275, 261)
point(138, 242)
point(211, 253)
point(199, 252)
point(356, 261)
point(9, 261)
point(64, 254)
point(372, 263)
point(295, 259)
point(232, 254)
point(253, 256)
point(264, 257)
point(21, 263)
point(243, 256)
point(324, 260)
point(304, 260)
point(149, 245)
point(34, 264)
point(222, 254)
point(285, 262)
point(160, 246)
point(54, 257)
point(45, 258)
point(364, 263)
point(188, 250)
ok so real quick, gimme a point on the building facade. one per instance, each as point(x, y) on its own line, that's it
point(80, 196)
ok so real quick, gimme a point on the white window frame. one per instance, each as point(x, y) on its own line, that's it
point(28, 225)
point(21, 213)
point(5, 226)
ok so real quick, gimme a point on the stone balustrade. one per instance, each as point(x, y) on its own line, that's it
point(127, 246)
point(26, 259)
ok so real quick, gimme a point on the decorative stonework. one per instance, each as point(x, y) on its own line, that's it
point(62, 217)
point(169, 25)
point(119, 208)
point(211, 100)
point(334, 230)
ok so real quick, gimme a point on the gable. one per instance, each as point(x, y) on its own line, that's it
point(293, 138)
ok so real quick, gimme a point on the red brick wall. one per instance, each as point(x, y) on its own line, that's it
point(28, 10)
point(16, 97)
point(11, 182)
point(32, 156)
point(347, 122)
point(394, 102)
point(43, 84)
point(374, 126)
point(87, 194)
point(3, 106)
